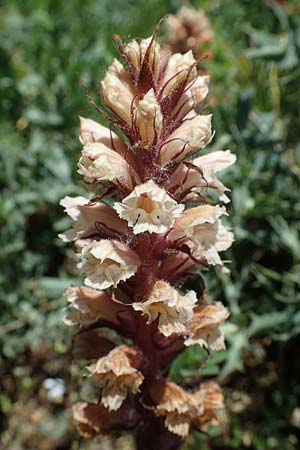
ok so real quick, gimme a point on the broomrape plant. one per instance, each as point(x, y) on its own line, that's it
point(151, 227)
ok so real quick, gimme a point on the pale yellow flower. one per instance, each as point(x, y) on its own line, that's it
point(100, 163)
point(149, 208)
point(172, 310)
point(204, 328)
point(193, 134)
point(107, 262)
point(149, 118)
point(117, 373)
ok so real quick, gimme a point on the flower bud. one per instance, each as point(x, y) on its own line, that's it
point(179, 68)
point(117, 92)
point(149, 118)
point(193, 134)
point(106, 263)
point(136, 53)
point(194, 94)
point(149, 208)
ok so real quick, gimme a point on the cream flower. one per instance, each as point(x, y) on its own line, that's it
point(117, 373)
point(193, 181)
point(172, 310)
point(193, 134)
point(91, 131)
point(212, 399)
point(194, 94)
point(100, 163)
point(149, 118)
point(87, 306)
point(117, 91)
point(92, 418)
point(107, 262)
point(177, 70)
point(136, 53)
point(177, 406)
point(149, 208)
point(211, 164)
point(87, 217)
point(204, 328)
point(203, 226)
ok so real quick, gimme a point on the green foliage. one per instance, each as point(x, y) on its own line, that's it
point(45, 47)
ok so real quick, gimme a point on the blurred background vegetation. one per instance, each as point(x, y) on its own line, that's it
point(44, 46)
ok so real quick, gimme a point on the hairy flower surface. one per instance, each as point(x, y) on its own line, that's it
point(204, 328)
point(106, 263)
point(117, 373)
point(171, 309)
point(149, 208)
point(153, 224)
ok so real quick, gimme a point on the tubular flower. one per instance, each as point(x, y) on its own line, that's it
point(106, 263)
point(100, 163)
point(172, 310)
point(193, 134)
point(116, 374)
point(203, 226)
point(89, 218)
point(204, 328)
point(149, 208)
point(141, 240)
point(178, 407)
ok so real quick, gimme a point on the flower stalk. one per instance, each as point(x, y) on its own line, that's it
point(151, 225)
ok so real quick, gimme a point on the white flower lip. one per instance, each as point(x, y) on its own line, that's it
point(100, 163)
point(117, 373)
point(149, 208)
point(106, 263)
point(173, 310)
point(203, 226)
